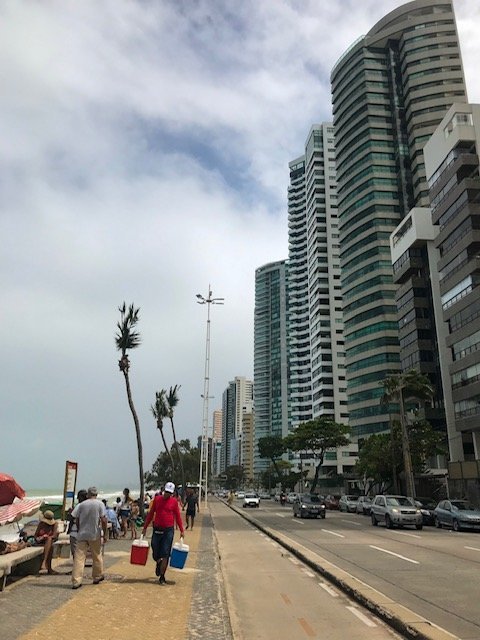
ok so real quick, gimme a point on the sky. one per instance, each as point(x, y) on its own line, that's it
point(144, 156)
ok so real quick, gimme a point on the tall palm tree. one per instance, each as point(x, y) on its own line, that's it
point(128, 338)
point(411, 385)
point(160, 412)
point(172, 400)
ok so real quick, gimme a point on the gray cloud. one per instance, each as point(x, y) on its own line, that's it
point(144, 154)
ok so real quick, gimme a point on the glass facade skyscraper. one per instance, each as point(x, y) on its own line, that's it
point(270, 356)
point(390, 91)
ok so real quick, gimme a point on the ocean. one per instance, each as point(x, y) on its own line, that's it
point(56, 495)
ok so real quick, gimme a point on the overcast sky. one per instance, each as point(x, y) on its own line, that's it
point(144, 154)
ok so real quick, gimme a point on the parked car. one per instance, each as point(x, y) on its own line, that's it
point(364, 504)
point(427, 507)
point(309, 505)
point(348, 504)
point(291, 497)
point(240, 495)
point(264, 496)
point(276, 497)
point(251, 500)
point(395, 510)
point(458, 514)
point(331, 502)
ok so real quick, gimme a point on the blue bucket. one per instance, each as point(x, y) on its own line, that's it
point(179, 555)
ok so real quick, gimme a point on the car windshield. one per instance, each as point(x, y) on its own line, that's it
point(309, 498)
point(250, 495)
point(426, 504)
point(352, 498)
point(463, 506)
point(399, 501)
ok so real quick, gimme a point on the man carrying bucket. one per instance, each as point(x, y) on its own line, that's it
point(164, 512)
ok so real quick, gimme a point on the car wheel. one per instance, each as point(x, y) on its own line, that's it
point(438, 524)
point(388, 522)
point(456, 525)
point(419, 527)
point(323, 516)
point(374, 521)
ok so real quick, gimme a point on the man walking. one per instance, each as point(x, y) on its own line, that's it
point(191, 502)
point(164, 512)
point(91, 519)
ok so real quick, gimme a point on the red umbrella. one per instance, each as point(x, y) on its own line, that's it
point(9, 489)
point(18, 510)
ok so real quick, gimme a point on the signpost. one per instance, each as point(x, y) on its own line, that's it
point(69, 486)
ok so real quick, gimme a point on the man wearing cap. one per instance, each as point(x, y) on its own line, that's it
point(164, 512)
point(91, 518)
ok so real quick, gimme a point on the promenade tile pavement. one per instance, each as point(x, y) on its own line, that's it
point(129, 603)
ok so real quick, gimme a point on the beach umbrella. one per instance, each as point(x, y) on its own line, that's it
point(19, 509)
point(9, 489)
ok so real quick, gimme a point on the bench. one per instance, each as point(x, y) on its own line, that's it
point(20, 563)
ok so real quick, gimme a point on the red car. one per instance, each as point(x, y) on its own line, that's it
point(331, 502)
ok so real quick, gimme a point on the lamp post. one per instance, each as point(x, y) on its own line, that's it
point(203, 479)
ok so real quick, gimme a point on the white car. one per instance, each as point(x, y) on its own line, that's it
point(291, 498)
point(251, 500)
point(240, 495)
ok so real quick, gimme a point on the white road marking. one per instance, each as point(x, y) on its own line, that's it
point(404, 533)
point(357, 524)
point(328, 589)
point(472, 548)
point(308, 573)
point(361, 616)
point(298, 521)
point(397, 555)
point(339, 535)
point(281, 515)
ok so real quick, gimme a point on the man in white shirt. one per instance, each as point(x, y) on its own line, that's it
point(90, 517)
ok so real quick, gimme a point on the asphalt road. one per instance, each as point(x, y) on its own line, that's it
point(432, 572)
point(271, 594)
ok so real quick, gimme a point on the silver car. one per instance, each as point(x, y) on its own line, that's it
point(395, 510)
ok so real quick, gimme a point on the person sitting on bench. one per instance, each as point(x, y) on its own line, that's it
point(46, 534)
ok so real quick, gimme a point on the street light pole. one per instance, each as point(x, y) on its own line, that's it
point(203, 479)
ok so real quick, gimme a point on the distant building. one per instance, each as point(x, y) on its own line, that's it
point(247, 441)
point(237, 400)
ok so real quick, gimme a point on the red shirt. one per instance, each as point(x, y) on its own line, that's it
point(164, 512)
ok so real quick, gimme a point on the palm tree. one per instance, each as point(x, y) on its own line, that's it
point(400, 388)
point(126, 339)
point(172, 401)
point(160, 412)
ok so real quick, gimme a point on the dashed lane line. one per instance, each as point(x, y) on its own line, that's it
point(472, 548)
point(397, 555)
point(333, 533)
point(404, 533)
point(357, 524)
point(361, 616)
point(328, 589)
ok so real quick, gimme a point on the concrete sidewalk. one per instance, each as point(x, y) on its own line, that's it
point(128, 604)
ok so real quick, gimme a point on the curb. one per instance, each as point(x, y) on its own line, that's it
point(410, 624)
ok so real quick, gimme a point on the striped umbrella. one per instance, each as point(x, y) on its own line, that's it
point(9, 489)
point(19, 509)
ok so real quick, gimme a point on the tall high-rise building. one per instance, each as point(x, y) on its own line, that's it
point(452, 164)
point(217, 425)
point(390, 90)
point(270, 392)
point(315, 344)
point(236, 401)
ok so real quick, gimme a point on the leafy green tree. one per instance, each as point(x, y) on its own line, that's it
point(172, 402)
point(163, 470)
point(400, 388)
point(160, 412)
point(126, 339)
point(381, 456)
point(272, 447)
point(235, 476)
point(315, 437)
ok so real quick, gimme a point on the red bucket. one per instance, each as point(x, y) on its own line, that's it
point(139, 552)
